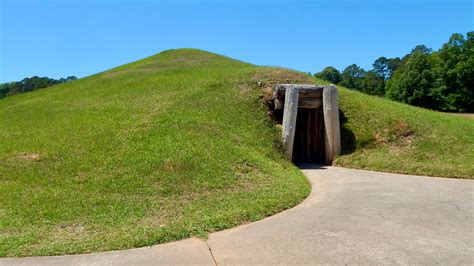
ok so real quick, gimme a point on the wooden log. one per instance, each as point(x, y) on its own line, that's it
point(310, 128)
point(303, 103)
point(305, 90)
point(309, 103)
point(313, 92)
point(332, 139)
point(289, 120)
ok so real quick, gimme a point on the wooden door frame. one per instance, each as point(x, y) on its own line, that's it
point(291, 96)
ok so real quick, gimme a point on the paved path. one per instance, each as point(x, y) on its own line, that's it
point(351, 216)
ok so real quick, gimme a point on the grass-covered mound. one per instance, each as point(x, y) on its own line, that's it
point(181, 144)
point(161, 149)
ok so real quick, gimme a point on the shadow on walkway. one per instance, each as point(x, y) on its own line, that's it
point(311, 166)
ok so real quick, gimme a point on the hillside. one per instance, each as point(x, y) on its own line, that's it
point(400, 138)
point(156, 150)
point(180, 144)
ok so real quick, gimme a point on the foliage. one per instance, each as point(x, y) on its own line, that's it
point(30, 84)
point(372, 83)
point(393, 65)
point(381, 68)
point(351, 76)
point(413, 83)
point(454, 69)
point(330, 74)
point(441, 80)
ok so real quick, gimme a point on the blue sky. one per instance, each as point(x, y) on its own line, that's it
point(81, 37)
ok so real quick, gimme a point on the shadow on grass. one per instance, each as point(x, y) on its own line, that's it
point(348, 138)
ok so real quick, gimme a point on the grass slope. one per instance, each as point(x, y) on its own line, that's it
point(395, 137)
point(160, 149)
point(179, 144)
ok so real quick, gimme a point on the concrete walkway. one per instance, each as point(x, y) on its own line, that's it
point(351, 216)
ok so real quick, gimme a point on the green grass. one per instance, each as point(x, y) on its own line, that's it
point(180, 144)
point(161, 149)
point(399, 138)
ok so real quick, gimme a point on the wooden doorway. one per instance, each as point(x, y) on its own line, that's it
point(309, 144)
point(310, 122)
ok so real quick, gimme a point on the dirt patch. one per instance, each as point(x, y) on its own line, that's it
point(380, 137)
point(29, 156)
point(169, 166)
point(153, 222)
point(67, 230)
point(244, 168)
point(402, 130)
point(281, 75)
point(267, 77)
point(399, 135)
point(403, 134)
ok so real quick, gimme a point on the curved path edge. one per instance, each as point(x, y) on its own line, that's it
point(351, 216)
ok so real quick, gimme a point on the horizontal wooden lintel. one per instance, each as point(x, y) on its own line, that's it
point(304, 90)
point(303, 103)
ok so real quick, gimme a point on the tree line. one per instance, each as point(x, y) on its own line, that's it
point(440, 80)
point(30, 84)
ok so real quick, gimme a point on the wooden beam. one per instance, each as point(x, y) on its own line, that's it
point(310, 103)
point(332, 138)
point(304, 103)
point(305, 90)
point(289, 120)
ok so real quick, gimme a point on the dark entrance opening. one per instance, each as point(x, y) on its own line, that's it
point(308, 144)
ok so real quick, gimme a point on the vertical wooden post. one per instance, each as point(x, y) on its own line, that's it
point(332, 138)
point(289, 120)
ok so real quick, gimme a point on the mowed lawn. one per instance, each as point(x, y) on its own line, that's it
point(180, 144)
point(162, 149)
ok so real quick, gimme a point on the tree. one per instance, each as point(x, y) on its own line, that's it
point(421, 48)
point(441, 80)
point(413, 82)
point(455, 72)
point(381, 67)
point(372, 83)
point(393, 65)
point(351, 76)
point(330, 74)
point(4, 90)
point(30, 84)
